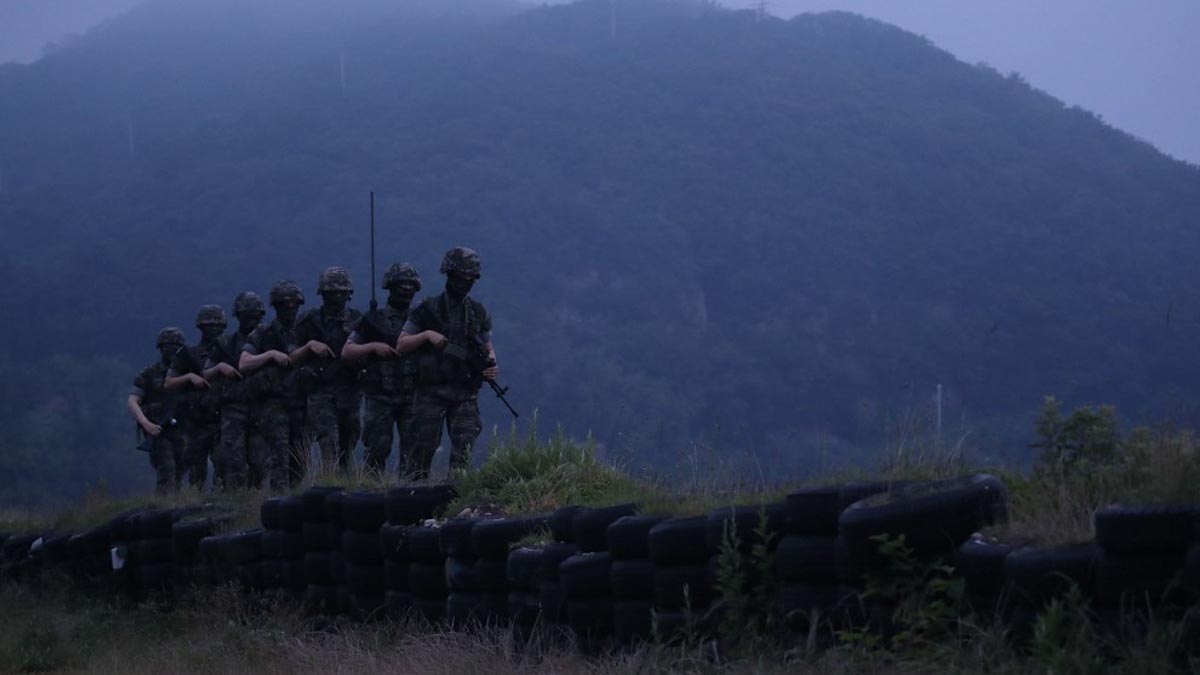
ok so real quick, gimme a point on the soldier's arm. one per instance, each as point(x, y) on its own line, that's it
point(311, 348)
point(409, 342)
point(134, 405)
point(353, 352)
point(492, 371)
point(221, 370)
point(248, 363)
point(173, 383)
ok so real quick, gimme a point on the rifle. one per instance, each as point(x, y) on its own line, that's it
point(477, 361)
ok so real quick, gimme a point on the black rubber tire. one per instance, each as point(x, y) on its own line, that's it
point(318, 569)
point(633, 620)
point(295, 576)
point(670, 584)
point(590, 528)
point(670, 625)
point(590, 617)
point(365, 579)
point(853, 492)
point(432, 610)
point(553, 602)
point(456, 538)
point(156, 523)
point(1191, 569)
point(273, 573)
point(156, 578)
point(424, 545)
point(124, 526)
point(934, 518)
point(314, 502)
point(413, 504)
point(362, 547)
point(243, 548)
point(493, 575)
point(426, 581)
point(814, 511)
point(399, 604)
point(268, 513)
point(318, 536)
point(801, 598)
point(282, 545)
point(524, 568)
point(465, 609)
point(250, 576)
point(806, 558)
point(493, 539)
point(91, 542)
point(186, 535)
point(587, 575)
point(152, 551)
point(746, 521)
point(980, 564)
point(333, 509)
point(462, 575)
point(365, 606)
point(1135, 529)
point(393, 542)
point(338, 567)
point(495, 607)
point(396, 575)
point(629, 537)
point(680, 541)
point(524, 608)
point(291, 514)
point(364, 511)
point(1139, 579)
point(553, 557)
point(1038, 575)
point(632, 580)
point(321, 600)
point(562, 524)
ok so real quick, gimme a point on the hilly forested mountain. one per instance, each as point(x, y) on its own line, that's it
point(700, 228)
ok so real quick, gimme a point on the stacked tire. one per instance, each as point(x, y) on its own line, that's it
point(149, 554)
point(1143, 558)
point(631, 577)
point(322, 541)
point(525, 569)
point(684, 591)
point(806, 562)
point(90, 557)
point(492, 541)
point(466, 604)
point(362, 516)
point(551, 599)
point(426, 571)
point(407, 509)
point(282, 566)
point(186, 535)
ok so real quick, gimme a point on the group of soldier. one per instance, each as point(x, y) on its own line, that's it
point(256, 399)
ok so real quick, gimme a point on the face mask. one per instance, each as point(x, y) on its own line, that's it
point(167, 351)
point(400, 298)
point(210, 332)
point(459, 286)
point(286, 313)
point(248, 322)
point(335, 300)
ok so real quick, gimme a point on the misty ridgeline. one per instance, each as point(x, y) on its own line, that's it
point(704, 231)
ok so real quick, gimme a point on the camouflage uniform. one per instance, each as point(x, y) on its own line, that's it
point(448, 388)
point(241, 451)
point(389, 384)
point(280, 405)
point(334, 394)
point(198, 411)
point(166, 449)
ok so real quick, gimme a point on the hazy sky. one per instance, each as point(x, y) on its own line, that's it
point(1135, 63)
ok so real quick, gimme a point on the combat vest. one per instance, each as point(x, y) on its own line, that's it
point(387, 377)
point(197, 405)
point(333, 331)
point(460, 363)
point(230, 390)
point(156, 400)
point(274, 380)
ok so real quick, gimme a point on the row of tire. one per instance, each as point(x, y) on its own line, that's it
point(613, 573)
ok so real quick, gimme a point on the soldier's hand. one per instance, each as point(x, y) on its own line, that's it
point(320, 349)
point(152, 429)
point(281, 359)
point(228, 371)
point(491, 372)
point(435, 338)
point(197, 381)
point(383, 350)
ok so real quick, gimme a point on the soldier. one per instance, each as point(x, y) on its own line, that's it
point(389, 381)
point(198, 407)
point(151, 408)
point(334, 396)
point(279, 403)
point(453, 334)
point(240, 453)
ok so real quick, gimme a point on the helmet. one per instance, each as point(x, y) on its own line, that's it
point(286, 290)
point(248, 301)
point(169, 336)
point(210, 314)
point(463, 261)
point(334, 279)
point(400, 274)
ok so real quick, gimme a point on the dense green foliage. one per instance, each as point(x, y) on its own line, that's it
point(698, 228)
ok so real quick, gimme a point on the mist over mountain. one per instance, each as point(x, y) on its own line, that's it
point(698, 226)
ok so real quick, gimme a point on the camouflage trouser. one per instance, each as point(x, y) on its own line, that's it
point(281, 423)
point(383, 412)
point(430, 412)
point(336, 425)
point(200, 440)
point(242, 452)
point(166, 453)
